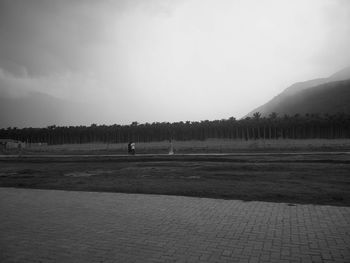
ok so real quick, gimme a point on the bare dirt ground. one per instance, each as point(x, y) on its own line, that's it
point(292, 178)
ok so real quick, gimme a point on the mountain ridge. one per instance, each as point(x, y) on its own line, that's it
point(297, 90)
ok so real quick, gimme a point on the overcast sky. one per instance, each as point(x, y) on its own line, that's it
point(168, 60)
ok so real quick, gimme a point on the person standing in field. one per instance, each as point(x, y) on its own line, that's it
point(129, 148)
point(132, 145)
point(171, 149)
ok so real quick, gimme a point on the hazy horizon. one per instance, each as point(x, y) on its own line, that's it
point(161, 60)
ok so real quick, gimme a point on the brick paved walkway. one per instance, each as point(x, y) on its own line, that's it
point(60, 226)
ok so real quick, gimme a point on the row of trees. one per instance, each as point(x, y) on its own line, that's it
point(256, 127)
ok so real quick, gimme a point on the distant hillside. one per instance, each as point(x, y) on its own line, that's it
point(36, 109)
point(324, 95)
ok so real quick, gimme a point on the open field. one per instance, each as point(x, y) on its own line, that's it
point(207, 146)
point(292, 178)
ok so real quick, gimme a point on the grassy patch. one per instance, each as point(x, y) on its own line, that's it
point(207, 146)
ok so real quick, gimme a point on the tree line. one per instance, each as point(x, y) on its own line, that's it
point(307, 126)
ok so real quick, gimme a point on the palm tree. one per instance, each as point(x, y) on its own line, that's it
point(257, 117)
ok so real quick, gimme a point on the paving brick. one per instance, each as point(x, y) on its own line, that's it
point(63, 226)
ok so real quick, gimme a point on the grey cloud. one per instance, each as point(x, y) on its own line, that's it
point(148, 59)
point(39, 37)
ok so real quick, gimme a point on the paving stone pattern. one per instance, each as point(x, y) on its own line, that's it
point(63, 226)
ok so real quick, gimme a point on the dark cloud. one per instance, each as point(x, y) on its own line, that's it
point(44, 36)
point(41, 37)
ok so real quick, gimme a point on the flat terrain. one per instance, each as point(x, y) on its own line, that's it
point(62, 226)
point(183, 147)
point(310, 178)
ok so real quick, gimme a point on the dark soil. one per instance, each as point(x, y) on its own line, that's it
point(311, 179)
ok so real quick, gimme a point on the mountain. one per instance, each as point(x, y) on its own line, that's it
point(37, 109)
point(324, 95)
